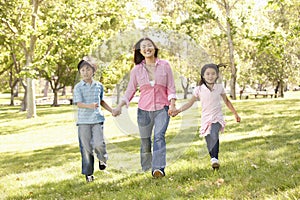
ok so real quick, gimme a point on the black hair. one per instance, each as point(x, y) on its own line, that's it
point(213, 66)
point(138, 57)
point(83, 63)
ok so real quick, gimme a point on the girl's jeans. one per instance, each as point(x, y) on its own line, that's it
point(146, 121)
point(212, 140)
point(91, 140)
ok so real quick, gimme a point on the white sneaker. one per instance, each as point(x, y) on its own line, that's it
point(215, 164)
point(89, 178)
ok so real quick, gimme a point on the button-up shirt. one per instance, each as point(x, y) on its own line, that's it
point(152, 97)
point(89, 93)
point(211, 103)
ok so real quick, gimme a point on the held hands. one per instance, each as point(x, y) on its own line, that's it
point(116, 111)
point(173, 111)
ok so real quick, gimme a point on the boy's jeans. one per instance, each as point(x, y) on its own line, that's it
point(212, 140)
point(91, 140)
point(146, 121)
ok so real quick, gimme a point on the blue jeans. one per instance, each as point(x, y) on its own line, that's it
point(147, 120)
point(212, 140)
point(91, 140)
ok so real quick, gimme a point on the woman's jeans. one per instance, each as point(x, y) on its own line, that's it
point(147, 120)
point(91, 140)
point(212, 140)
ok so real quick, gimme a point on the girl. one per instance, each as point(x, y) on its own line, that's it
point(210, 94)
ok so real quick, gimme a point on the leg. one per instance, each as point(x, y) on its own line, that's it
point(87, 157)
point(212, 140)
point(145, 128)
point(161, 122)
point(98, 142)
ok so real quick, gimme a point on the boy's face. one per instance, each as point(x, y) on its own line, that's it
point(86, 73)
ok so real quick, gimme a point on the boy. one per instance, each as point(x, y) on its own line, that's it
point(88, 96)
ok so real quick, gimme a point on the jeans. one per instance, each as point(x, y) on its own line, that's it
point(91, 140)
point(147, 120)
point(212, 140)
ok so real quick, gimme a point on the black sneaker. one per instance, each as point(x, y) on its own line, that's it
point(158, 173)
point(89, 178)
point(102, 165)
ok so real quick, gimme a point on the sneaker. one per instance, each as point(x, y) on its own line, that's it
point(89, 178)
point(158, 173)
point(215, 163)
point(102, 165)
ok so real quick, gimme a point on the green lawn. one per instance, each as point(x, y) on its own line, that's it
point(260, 157)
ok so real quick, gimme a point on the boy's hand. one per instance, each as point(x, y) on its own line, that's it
point(94, 105)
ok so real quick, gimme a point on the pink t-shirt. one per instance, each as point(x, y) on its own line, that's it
point(211, 106)
point(151, 97)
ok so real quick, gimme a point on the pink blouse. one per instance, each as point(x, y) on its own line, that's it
point(151, 97)
point(211, 106)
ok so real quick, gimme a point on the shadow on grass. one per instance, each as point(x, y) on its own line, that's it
point(12, 163)
point(248, 170)
point(8, 113)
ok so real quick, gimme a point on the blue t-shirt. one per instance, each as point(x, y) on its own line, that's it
point(89, 93)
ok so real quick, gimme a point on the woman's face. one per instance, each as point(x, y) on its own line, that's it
point(147, 49)
point(210, 75)
point(86, 73)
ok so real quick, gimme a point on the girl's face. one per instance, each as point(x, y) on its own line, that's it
point(210, 75)
point(147, 49)
point(86, 73)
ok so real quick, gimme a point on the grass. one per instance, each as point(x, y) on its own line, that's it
point(40, 157)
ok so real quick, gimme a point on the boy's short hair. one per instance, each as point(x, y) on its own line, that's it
point(88, 60)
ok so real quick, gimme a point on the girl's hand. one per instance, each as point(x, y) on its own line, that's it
point(238, 119)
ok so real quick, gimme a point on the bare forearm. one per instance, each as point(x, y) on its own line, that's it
point(106, 106)
point(84, 105)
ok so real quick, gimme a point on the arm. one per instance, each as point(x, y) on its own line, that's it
point(172, 109)
point(106, 106)
point(231, 108)
point(186, 105)
point(130, 91)
point(89, 106)
point(171, 91)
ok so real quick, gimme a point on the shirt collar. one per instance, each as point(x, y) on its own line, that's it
point(82, 82)
point(144, 62)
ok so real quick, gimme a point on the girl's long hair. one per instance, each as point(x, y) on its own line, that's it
point(138, 57)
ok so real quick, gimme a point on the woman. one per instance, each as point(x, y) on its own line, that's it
point(155, 80)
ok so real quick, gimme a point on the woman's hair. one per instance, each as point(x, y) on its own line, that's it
point(212, 66)
point(138, 57)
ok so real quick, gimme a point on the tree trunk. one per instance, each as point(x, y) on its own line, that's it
point(46, 88)
point(118, 93)
point(31, 106)
point(55, 100)
point(24, 100)
point(29, 54)
point(231, 52)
